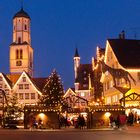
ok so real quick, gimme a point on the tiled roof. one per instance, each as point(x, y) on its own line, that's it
point(21, 13)
point(127, 52)
point(83, 75)
point(8, 80)
point(40, 82)
point(13, 77)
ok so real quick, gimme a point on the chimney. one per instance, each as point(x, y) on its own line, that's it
point(122, 35)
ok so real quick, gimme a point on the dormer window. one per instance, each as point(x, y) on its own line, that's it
point(24, 79)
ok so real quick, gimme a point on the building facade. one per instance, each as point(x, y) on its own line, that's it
point(20, 80)
point(123, 57)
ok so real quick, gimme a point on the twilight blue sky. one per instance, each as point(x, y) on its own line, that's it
point(57, 25)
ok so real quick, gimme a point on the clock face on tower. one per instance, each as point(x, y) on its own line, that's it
point(18, 63)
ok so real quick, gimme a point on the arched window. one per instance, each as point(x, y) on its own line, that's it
point(19, 40)
point(21, 54)
point(17, 54)
point(25, 27)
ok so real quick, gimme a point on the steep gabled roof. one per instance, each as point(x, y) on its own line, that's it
point(40, 82)
point(13, 77)
point(7, 80)
point(30, 79)
point(69, 91)
point(127, 52)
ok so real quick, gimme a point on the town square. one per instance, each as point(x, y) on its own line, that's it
point(69, 70)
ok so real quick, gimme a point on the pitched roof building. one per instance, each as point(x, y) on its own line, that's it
point(121, 72)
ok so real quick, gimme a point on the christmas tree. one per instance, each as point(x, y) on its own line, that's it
point(53, 91)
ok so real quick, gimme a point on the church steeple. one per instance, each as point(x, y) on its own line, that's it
point(21, 52)
point(76, 53)
point(21, 28)
point(76, 62)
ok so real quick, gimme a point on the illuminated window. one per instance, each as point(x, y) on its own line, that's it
point(21, 96)
point(20, 86)
point(32, 95)
point(115, 98)
point(120, 96)
point(82, 94)
point(85, 72)
point(24, 79)
point(26, 95)
point(85, 78)
point(85, 85)
point(108, 100)
point(111, 84)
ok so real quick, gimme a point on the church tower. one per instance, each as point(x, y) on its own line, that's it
point(76, 62)
point(21, 52)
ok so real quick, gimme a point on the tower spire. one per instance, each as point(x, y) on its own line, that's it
point(76, 53)
point(76, 62)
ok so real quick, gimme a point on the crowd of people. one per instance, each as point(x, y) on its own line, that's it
point(122, 120)
point(78, 122)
